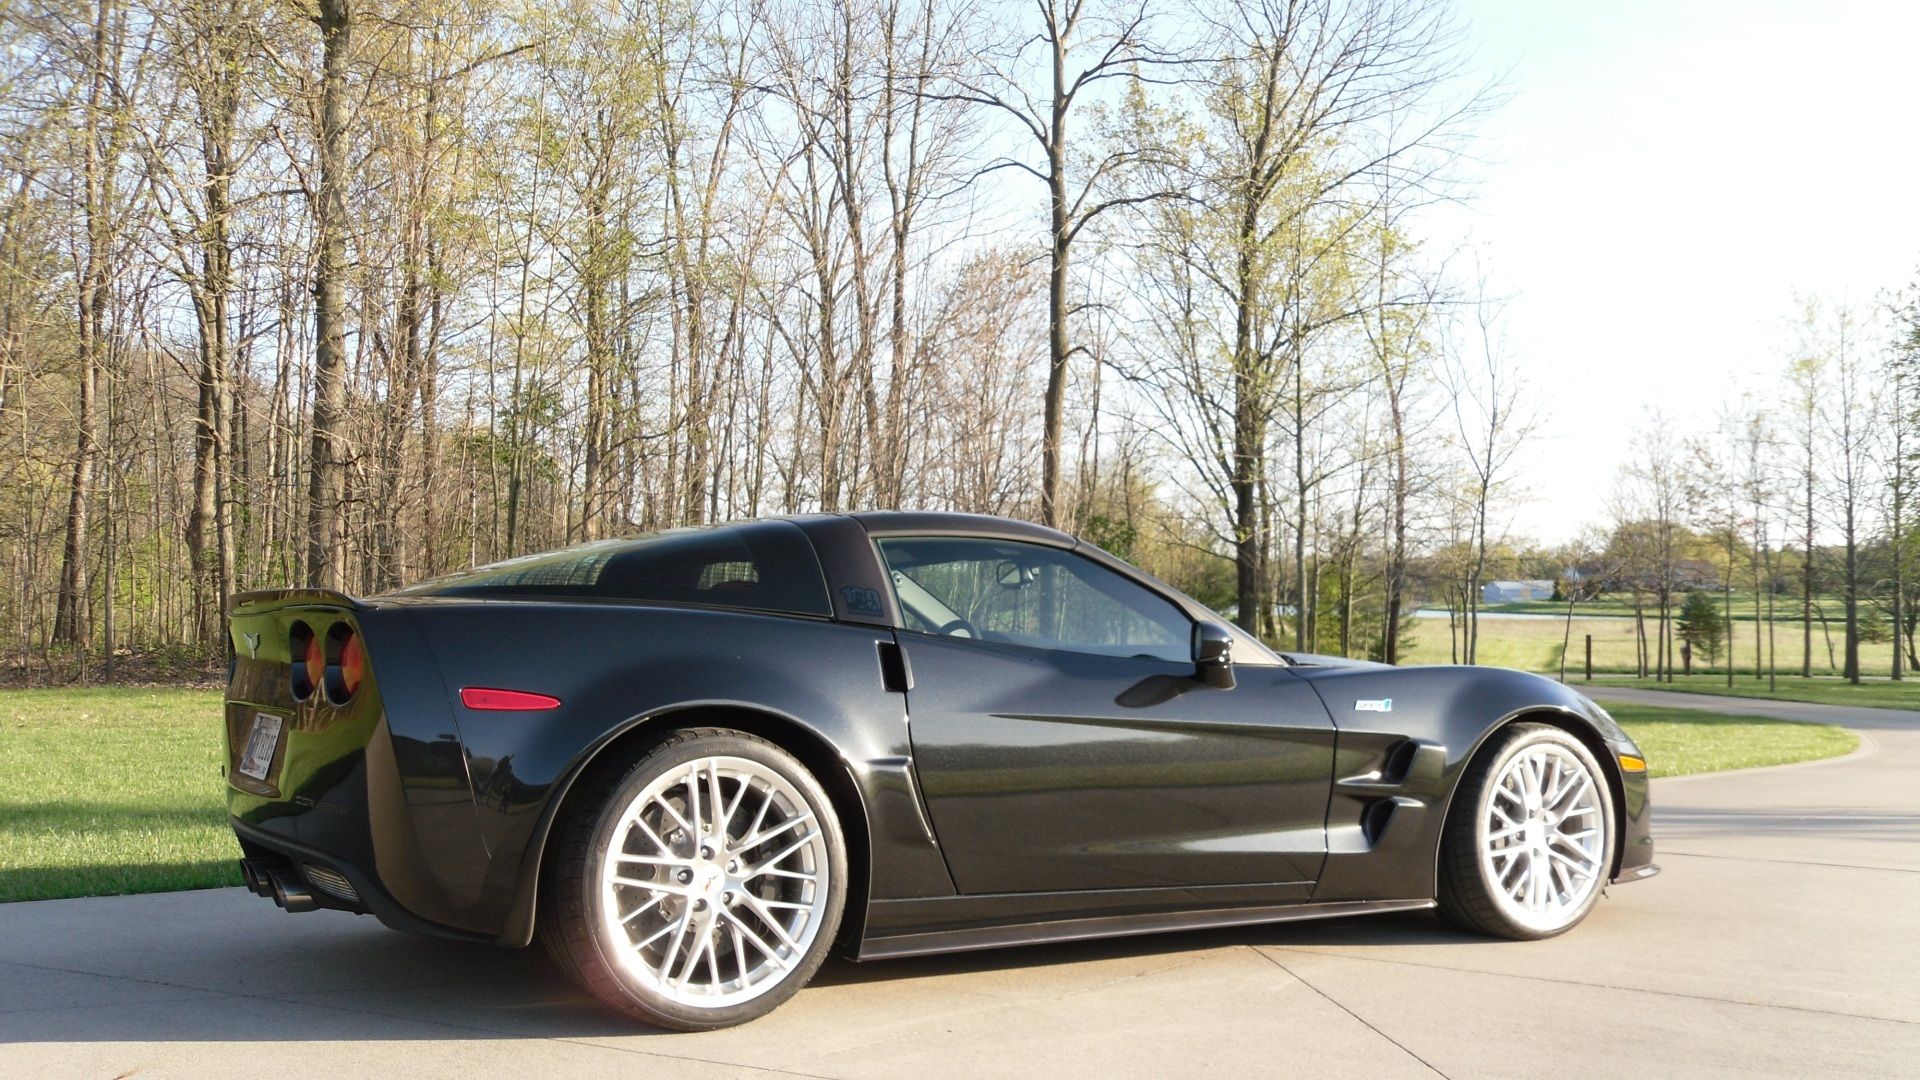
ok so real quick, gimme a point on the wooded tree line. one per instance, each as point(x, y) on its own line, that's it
point(1802, 498)
point(351, 292)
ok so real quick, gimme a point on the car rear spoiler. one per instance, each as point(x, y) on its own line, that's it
point(263, 600)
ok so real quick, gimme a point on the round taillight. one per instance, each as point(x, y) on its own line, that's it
point(353, 663)
point(346, 663)
point(307, 664)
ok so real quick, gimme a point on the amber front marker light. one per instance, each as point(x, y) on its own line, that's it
point(1630, 763)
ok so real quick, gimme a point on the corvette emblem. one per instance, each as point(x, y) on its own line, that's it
point(253, 645)
point(1384, 704)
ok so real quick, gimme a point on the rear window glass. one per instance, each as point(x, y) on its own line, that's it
point(760, 566)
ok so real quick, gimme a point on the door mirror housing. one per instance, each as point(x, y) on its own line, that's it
point(1213, 655)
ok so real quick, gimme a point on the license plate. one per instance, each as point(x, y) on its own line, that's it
point(261, 743)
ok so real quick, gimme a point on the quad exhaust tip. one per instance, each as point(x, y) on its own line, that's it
point(281, 882)
point(254, 876)
point(292, 894)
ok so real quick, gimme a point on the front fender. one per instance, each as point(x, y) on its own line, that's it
point(1406, 737)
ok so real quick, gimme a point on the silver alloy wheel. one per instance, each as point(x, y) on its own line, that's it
point(1542, 837)
point(716, 881)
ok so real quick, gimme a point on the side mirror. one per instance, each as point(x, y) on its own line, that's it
point(1213, 655)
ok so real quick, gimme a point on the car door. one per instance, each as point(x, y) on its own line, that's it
point(1062, 742)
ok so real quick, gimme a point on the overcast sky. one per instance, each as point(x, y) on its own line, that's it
point(1662, 181)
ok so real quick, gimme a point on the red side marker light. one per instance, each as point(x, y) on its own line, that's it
point(482, 698)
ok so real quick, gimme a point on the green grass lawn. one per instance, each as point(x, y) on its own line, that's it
point(1679, 742)
point(1784, 607)
point(1871, 694)
point(111, 791)
point(1527, 644)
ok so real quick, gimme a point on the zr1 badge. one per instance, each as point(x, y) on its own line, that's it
point(1384, 704)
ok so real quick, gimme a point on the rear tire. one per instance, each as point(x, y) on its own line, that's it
point(1529, 839)
point(699, 887)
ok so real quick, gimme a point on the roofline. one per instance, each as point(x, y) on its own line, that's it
point(948, 523)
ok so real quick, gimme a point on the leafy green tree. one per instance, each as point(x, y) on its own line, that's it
point(1702, 625)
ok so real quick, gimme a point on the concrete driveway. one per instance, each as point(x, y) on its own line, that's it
point(1782, 940)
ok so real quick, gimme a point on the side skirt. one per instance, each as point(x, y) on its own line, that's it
point(1035, 933)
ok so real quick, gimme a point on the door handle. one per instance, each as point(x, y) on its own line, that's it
point(895, 674)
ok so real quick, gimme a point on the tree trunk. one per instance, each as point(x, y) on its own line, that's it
point(1851, 668)
point(1806, 569)
point(1249, 431)
point(327, 469)
point(70, 621)
point(212, 571)
point(1060, 235)
point(1396, 570)
point(1726, 604)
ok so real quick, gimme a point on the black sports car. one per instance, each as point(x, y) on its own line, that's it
point(693, 762)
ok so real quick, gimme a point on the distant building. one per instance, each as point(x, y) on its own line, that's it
point(1507, 592)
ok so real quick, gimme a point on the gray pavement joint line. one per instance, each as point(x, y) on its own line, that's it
point(1790, 862)
point(1599, 986)
point(212, 991)
point(207, 990)
point(206, 994)
point(1329, 999)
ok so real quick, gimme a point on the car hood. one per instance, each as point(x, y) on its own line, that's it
point(1300, 659)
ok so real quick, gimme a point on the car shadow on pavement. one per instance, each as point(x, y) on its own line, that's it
point(360, 981)
point(1417, 928)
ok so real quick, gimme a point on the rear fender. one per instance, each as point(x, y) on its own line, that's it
point(622, 670)
point(380, 782)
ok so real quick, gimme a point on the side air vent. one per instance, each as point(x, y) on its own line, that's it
point(1374, 821)
point(1399, 762)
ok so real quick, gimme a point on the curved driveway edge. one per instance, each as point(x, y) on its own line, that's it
point(1781, 940)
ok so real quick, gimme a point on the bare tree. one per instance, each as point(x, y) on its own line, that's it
point(1755, 450)
point(1806, 381)
point(1903, 368)
point(1850, 407)
point(1315, 131)
point(325, 563)
point(207, 58)
point(1494, 420)
point(366, 291)
point(1081, 45)
point(96, 59)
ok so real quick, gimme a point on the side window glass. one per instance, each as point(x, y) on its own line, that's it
point(1030, 594)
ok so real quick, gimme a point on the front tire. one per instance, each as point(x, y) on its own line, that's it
point(700, 887)
point(1529, 839)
